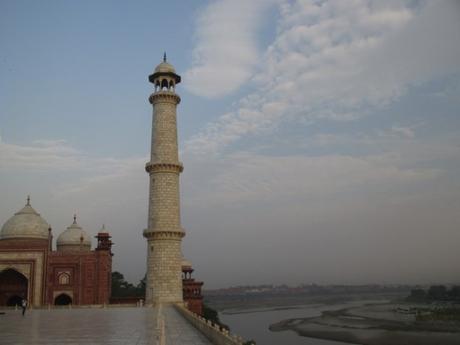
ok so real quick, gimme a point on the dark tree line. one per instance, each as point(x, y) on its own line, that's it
point(436, 293)
point(122, 288)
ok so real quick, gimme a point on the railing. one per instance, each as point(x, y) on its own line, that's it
point(215, 333)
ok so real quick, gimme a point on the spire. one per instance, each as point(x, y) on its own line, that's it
point(75, 218)
point(164, 57)
point(28, 200)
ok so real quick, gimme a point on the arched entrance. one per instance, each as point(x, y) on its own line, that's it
point(63, 299)
point(14, 300)
point(13, 287)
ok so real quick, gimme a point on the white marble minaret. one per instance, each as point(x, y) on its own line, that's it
point(164, 232)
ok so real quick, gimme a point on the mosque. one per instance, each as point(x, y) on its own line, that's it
point(31, 269)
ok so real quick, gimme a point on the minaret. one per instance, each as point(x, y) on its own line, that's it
point(164, 232)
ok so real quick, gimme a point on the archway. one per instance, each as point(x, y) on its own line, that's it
point(14, 300)
point(63, 299)
point(13, 287)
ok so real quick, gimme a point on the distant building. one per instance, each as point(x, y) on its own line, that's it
point(31, 269)
point(191, 288)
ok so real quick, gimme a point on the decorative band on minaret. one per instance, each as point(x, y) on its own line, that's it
point(164, 232)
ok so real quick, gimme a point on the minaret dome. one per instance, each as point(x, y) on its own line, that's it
point(164, 77)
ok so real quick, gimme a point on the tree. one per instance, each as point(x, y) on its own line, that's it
point(437, 292)
point(417, 295)
point(454, 293)
point(213, 315)
point(122, 288)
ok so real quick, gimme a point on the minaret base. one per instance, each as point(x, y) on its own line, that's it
point(164, 267)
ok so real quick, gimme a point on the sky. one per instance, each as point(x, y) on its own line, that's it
point(320, 139)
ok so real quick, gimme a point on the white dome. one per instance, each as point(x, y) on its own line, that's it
point(165, 67)
point(74, 238)
point(25, 223)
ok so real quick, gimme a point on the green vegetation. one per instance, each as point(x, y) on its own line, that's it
point(443, 300)
point(435, 293)
point(122, 288)
point(439, 314)
point(213, 315)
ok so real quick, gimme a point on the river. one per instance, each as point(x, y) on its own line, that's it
point(253, 323)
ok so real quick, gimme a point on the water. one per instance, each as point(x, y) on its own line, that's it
point(253, 324)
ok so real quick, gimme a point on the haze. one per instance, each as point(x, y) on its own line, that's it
point(320, 139)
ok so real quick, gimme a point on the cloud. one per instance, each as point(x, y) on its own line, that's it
point(340, 60)
point(76, 173)
point(58, 155)
point(226, 51)
point(246, 177)
point(43, 154)
point(403, 131)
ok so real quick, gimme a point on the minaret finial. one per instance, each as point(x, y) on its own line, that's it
point(75, 218)
point(28, 200)
point(164, 57)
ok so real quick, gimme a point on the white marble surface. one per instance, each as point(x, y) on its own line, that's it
point(134, 326)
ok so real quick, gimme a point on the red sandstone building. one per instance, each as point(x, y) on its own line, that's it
point(71, 274)
point(31, 269)
point(191, 289)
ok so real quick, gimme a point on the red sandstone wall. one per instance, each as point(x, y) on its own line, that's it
point(89, 276)
point(24, 245)
point(195, 305)
point(192, 295)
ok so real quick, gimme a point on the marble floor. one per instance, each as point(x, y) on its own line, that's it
point(133, 326)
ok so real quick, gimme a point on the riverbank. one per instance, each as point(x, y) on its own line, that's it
point(375, 324)
point(257, 301)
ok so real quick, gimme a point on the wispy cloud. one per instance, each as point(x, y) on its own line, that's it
point(57, 156)
point(246, 177)
point(43, 154)
point(226, 50)
point(340, 61)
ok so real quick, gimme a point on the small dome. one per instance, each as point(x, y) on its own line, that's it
point(186, 263)
point(165, 67)
point(73, 238)
point(25, 223)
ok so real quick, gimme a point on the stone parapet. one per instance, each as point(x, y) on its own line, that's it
point(216, 334)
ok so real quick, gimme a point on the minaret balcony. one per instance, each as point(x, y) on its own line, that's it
point(164, 167)
point(163, 234)
point(164, 96)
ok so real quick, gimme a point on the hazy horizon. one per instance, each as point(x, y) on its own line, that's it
point(320, 139)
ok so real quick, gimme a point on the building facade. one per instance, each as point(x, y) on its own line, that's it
point(31, 269)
